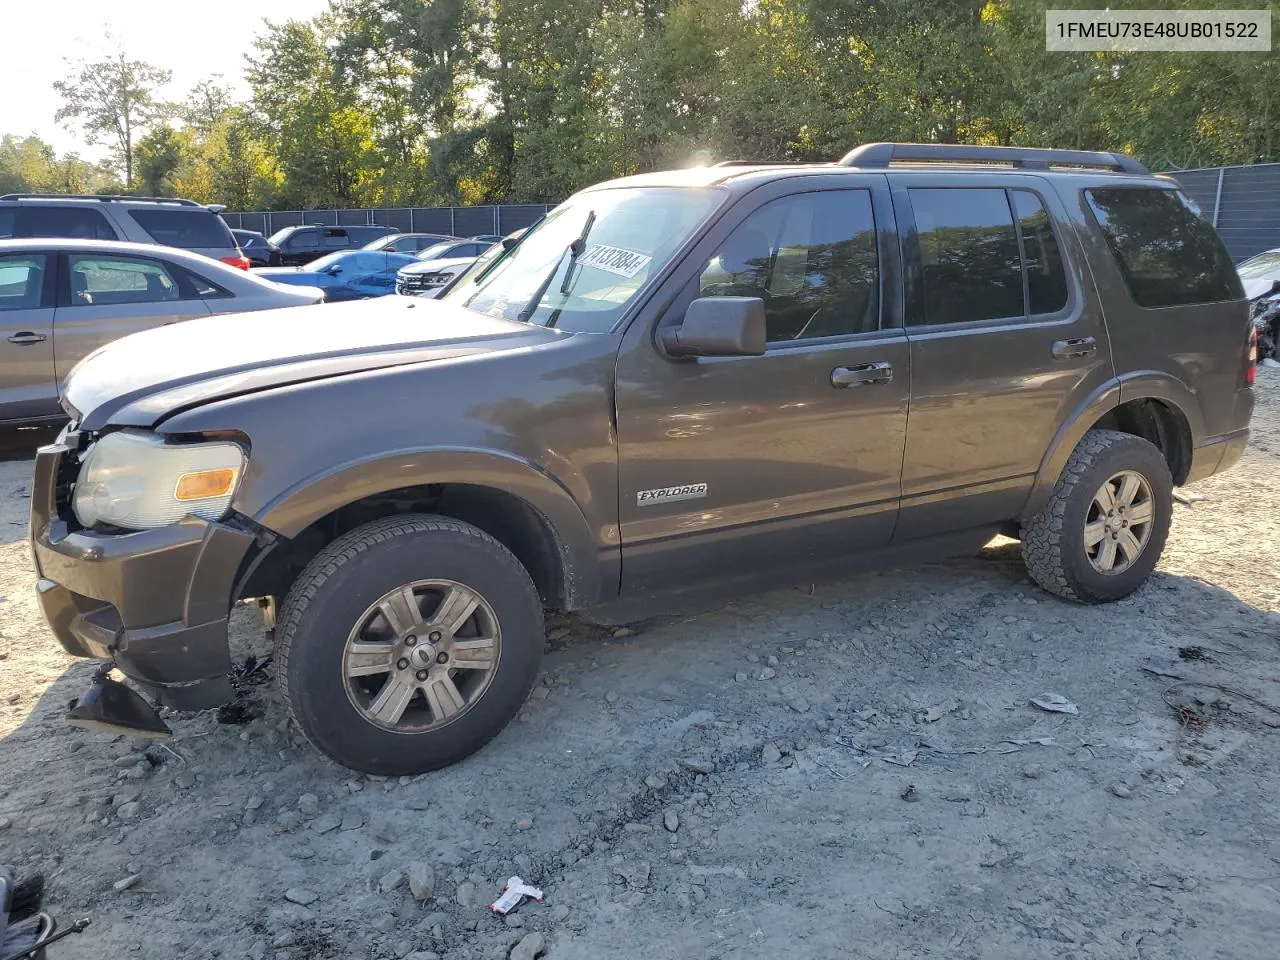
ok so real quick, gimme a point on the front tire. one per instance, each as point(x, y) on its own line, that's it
point(1105, 525)
point(408, 643)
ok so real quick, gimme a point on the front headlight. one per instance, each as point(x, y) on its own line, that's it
point(133, 479)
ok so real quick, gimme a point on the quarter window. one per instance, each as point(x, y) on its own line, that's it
point(1046, 279)
point(21, 281)
point(1167, 254)
point(97, 281)
point(811, 258)
point(970, 267)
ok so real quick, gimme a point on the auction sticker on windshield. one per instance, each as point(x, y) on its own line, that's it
point(615, 260)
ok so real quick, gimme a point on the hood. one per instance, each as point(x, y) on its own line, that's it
point(438, 266)
point(140, 379)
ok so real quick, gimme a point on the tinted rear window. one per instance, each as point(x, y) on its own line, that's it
point(1167, 253)
point(184, 228)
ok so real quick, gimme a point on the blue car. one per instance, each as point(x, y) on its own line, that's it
point(347, 275)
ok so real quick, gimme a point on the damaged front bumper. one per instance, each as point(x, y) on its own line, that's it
point(153, 602)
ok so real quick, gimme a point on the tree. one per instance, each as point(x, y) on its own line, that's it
point(114, 101)
point(206, 104)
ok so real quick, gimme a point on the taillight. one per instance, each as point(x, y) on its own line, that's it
point(241, 261)
point(1251, 357)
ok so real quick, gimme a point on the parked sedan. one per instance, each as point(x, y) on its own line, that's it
point(352, 275)
point(1259, 274)
point(260, 251)
point(62, 299)
point(408, 242)
point(452, 249)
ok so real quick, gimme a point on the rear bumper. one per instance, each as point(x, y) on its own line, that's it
point(1217, 454)
point(155, 602)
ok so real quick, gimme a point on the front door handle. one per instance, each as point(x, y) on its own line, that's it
point(1067, 349)
point(27, 337)
point(862, 375)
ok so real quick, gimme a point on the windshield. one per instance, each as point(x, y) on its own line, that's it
point(1263, 265)
point(437, 250)
point(635, 232)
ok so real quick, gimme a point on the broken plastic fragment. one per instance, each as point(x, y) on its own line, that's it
point(513, 893)
point(1055, 703)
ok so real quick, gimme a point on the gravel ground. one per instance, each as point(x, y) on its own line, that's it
point(848, 769)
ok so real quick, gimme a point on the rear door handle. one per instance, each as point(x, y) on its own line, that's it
point(26, 337)
point(862, 375)
point(1082, 347)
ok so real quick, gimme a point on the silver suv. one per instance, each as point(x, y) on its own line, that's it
point(174, 223)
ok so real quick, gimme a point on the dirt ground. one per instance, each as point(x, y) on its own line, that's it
point(848, 769)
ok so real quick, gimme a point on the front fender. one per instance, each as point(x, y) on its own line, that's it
point(295, 509)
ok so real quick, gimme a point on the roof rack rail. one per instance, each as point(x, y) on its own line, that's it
point(758, 163)
point(109, 197)
point(1028, 158)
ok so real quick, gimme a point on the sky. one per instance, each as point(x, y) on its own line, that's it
point(41, 36)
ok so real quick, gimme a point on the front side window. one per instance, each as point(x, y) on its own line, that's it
point(970, 267)
point(188, 228)
point(302, 240)
point(1167, 253)
point(627, 234)
point(99, 281)
point(22, 281)
point(76, 223)
point(811, 258)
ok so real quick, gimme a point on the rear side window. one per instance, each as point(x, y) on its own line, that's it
point(336, 239)
point(76, 223)
point(189, 229)
point(22, 281)
point(100, 281)
point(811, 258)
point(968, 256)
point(1046, 279)
point(1167, 253)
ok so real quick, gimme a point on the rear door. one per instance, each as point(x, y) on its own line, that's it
point(1006, 340)
point(103, 298)
point(28, 389)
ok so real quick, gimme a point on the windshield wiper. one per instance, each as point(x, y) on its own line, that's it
point(574, 250)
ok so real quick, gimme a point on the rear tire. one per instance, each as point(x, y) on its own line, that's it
point(369, 663)
point(1086, 545)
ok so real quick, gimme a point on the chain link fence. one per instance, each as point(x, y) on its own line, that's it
point(498, 219)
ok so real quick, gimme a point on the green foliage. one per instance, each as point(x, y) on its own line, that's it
point(398, 102)
point(114, 101)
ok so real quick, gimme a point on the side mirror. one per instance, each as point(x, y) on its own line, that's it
point(509, 242)
point(333, 270)
point(718, 327)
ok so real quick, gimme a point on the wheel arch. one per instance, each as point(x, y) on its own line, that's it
point(509, 498)
point(1153, 406)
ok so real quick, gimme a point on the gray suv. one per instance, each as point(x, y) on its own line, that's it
point(672, 379)
point(170, 222)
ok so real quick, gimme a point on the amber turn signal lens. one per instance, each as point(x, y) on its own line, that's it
point(205, 484)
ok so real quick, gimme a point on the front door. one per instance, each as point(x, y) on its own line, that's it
point(106, 297)
point(1007, 340)
point(28, 389)
point(733, 464)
